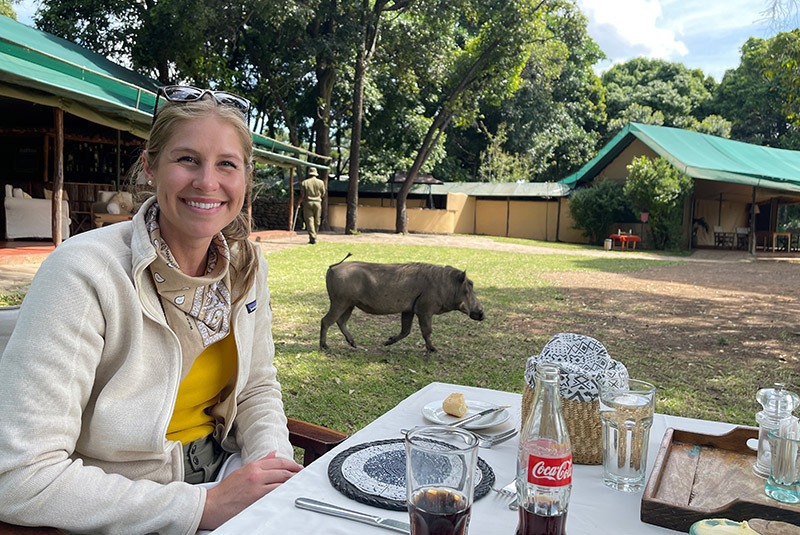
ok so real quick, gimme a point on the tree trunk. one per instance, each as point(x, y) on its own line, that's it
point(370, 23)
point(440, 121)
point(326, 76)
point(355, 143)
point(288, 118)
point(431, 137)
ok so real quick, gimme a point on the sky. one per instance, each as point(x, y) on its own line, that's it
point(704, 34)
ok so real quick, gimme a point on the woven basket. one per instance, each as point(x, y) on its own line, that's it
point(583, 424)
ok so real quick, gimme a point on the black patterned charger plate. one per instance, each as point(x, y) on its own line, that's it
point(374, 473)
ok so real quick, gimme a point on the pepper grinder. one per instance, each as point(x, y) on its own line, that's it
point(778, 404)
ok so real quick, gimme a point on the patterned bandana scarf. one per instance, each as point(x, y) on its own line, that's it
point(198, 309)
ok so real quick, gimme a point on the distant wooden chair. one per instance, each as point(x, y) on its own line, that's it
point(314, 440)
point(723, 239)
point(742, 238)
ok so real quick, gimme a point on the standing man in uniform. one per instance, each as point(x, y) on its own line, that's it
point(312, 190)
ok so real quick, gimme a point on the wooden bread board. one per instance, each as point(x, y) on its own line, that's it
point(698, 476)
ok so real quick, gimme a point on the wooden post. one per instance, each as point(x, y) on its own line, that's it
point(752, 241)
point(291, 198)
point(58, 179)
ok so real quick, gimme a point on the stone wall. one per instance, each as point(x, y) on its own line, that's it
point(270, 213)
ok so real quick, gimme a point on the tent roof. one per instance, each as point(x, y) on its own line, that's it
point(702, 156)
point(473, 189)
point(38, 67)
point(421, 178)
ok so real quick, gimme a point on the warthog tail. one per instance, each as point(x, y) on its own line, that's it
point(342, 260)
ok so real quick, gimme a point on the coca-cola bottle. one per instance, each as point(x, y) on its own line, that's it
point(544, 463)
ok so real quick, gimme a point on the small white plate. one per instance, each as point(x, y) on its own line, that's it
point(433, 412)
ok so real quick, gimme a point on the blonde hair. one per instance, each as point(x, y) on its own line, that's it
point(237, 232)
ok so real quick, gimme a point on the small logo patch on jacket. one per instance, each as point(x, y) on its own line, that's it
point(251, 307)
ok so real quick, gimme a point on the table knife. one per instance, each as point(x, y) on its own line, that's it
point(349, 514)
point(468, 419)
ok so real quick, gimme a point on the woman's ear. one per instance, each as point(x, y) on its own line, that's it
point(148, 170)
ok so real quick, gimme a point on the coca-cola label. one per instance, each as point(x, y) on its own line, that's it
point(549, 471)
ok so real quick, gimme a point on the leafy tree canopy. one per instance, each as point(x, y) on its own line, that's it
point(551, 122)
point(760, 96)
point(655, 91)
point(7, 9)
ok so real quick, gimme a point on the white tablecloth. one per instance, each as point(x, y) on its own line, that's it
point(594, 508)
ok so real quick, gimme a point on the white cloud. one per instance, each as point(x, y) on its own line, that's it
point(714, 17)
point(630, 28)
point(704, 34)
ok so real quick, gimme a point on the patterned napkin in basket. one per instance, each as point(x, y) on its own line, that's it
point(584, 363)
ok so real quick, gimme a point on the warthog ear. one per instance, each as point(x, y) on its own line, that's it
point(462, 276)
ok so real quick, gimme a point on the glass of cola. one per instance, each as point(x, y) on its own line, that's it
point(440, 479)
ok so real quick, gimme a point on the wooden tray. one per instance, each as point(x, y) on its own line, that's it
point(699, 476)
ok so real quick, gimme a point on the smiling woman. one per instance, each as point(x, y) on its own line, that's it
point(200, 175)
point(163, 339)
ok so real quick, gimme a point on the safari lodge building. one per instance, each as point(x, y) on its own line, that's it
point(735, 183)
point(73, 122)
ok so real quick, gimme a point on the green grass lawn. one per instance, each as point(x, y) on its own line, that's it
point(346, 388)
point(9, 299)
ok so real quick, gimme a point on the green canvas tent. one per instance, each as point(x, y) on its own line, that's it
point(45, 71)
point(702, 156)
point(39, 67)
point(736, 184)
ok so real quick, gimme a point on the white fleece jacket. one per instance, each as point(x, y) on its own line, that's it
point(87, 387)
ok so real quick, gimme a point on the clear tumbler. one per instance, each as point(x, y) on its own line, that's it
point(440, 476)
point(626, 415)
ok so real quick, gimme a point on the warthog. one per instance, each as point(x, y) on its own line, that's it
point(409, 289)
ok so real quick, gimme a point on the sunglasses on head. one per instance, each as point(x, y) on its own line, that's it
point(187, 93)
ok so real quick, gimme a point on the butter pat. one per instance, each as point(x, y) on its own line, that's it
point(721, 526)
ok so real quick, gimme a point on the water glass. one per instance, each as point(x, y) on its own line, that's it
point(626, 416)
point(440, 479)
point(783, 483)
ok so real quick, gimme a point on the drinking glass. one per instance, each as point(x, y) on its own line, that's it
point(440, 479)
point(626, 415)
point(783, 483)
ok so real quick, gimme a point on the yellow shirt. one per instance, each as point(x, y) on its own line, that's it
point(200, 390)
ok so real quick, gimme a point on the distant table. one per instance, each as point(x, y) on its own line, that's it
point(768, 237)
point(625, 239)
point(776, 235)
point(107, 219)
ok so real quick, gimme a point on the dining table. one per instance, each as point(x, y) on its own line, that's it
point(625, 240)
point(593, 507)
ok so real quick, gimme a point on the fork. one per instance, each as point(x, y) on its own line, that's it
point(487, 441)
point(505, 492)
point(487, 436)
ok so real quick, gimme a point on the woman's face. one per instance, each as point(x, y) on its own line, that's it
point(200, 181)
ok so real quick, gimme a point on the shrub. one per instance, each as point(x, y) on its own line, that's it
point(597, 207)
point(657, 187)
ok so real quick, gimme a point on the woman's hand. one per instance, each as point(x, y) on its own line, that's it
point(244, 486)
